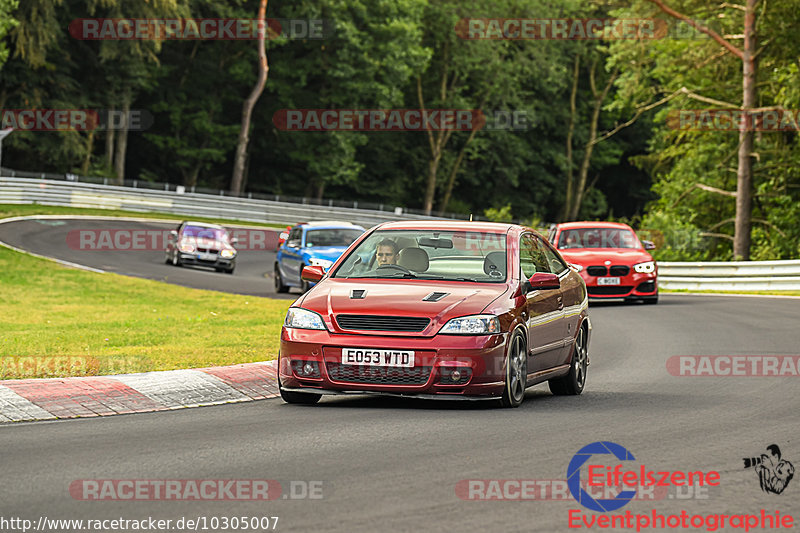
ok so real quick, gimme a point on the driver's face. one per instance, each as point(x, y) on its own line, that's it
point(385, 256)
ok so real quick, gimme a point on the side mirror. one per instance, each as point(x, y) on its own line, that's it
point(649, 245)
point(234, 241)
point(173, 235)
point(541, 281)
point(294, 243)
point(312, 274)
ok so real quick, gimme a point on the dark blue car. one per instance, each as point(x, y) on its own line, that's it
point(311, 244)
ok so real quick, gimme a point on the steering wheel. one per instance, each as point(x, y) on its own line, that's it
point(395, 266)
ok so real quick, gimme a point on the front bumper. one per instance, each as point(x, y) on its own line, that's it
point(479, 360)
point(634, 285)
point(216, 262)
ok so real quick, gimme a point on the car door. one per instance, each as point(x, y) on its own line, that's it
point(573, 294)
point(544, 309)
point(290, 257)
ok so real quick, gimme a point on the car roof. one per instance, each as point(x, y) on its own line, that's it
point(452, 225)
point(202, 224)
point(330, 224)
point(602, 224)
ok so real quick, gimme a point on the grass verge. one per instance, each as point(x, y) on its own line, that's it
point(58, 322)
point(19, 210)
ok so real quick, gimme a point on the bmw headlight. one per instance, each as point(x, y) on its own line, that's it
point(300, 318)
point(472, 325)
point(645, 268)
point(186, 247)
point(324, 263)
point(227, 254)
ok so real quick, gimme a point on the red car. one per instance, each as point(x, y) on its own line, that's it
point(610, 258)
point(433, 309)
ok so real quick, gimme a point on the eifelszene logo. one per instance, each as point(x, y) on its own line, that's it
point(774, 473)
point(600, 475)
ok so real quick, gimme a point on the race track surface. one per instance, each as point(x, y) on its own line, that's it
point(52, 238)
point(394, 465)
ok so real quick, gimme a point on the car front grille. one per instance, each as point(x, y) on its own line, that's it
point(381, 375)
point(597, 271)
point(619, 270)
point(607, 290)
point(382, 323)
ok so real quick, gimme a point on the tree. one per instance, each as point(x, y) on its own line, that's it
point(250, 102)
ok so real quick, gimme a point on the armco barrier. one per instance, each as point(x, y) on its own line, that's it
point(731, 276)
point(77, 194)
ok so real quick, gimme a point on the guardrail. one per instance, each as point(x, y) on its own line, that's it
point(731, 276)
point(190, 204)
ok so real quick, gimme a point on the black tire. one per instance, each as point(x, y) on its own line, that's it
point(230, 270)
point(176, 260)
point(652, 300)
point(516, 372)
point(300, 398)
point(167, 259)
point(279, 286)
point(574, 382)
point(220, 269)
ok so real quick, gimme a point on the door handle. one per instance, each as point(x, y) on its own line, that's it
point(560, 303)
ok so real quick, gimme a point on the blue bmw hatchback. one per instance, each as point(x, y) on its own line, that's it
point(311, 244)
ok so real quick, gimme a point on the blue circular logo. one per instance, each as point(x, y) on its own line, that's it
point(574, 476)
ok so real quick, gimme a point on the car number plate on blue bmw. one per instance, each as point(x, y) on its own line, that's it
point(608, 281)
point(373, 357)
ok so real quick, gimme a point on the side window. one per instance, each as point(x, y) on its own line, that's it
point(294, 235)
point(532, 258)
point(557, 265)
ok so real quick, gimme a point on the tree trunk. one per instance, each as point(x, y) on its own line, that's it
point(87, 160)
point(570, 132)
point(110, 141)
point(249, 104)
point(744, 173)
point(122, 140)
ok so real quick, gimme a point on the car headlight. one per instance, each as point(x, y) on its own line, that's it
point(324, 263)
point(300, 318)
point(186, 247)
point(645, 268)
point(472, 325)
point(227, 254)
point(576, 268)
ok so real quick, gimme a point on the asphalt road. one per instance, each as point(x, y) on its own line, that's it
point(394, 465)
point(53, 238)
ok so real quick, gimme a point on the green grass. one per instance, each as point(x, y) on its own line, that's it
point(756, 293)
point(57, 321)
point(14, 210)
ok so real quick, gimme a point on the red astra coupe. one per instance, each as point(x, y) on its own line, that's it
point(610, 258)
point(434, 309)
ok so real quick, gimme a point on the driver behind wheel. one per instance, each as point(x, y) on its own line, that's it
point(386, 253)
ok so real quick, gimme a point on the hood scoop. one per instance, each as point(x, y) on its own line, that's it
point(358, 294)
point(435, 296)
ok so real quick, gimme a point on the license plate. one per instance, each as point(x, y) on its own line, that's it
point(608, 281)
point(372, 357)
point(207, 257)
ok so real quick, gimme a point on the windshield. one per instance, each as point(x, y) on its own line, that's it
point(205, 233)
point(597, 238)
point(428, 254)
point(332, 237)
